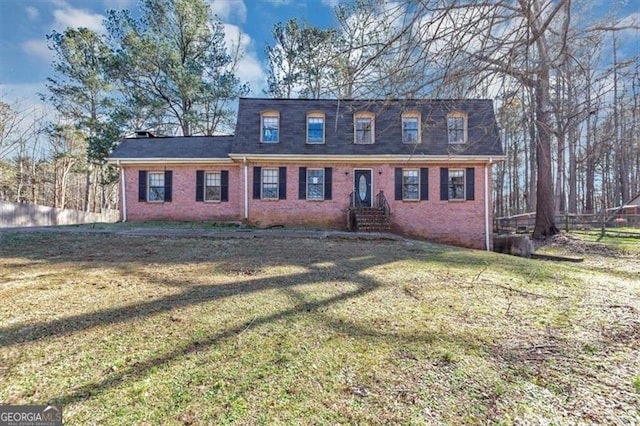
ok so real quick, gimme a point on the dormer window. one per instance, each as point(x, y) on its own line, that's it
point(364, 127)
point(270, 127)
point(411, 127)
point(457, 127)
point(315, 128)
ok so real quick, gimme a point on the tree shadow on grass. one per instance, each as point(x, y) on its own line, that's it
point(336, 266)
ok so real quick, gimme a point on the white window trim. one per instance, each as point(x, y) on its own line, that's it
point(149, 173)
point(458, 114)
point(370, 116)
point(464, 185)
point(418, 195)
point(321, 184)
point(269, 114)
point(204, 186)
point(324, 126)
point(262, 197)
point(412, 115)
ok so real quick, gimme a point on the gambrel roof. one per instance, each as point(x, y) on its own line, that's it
point(483, 137)
point(482, 131)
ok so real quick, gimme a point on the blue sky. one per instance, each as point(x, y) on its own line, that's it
point(25, 61)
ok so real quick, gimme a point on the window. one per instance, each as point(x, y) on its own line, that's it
point(315, 128)
point(411, 127)
point(364, 128)
point(457, 128)
point(315, 184)
point(212, 186)
point(456, 184)
point(269, 184)
point(270, 123)
point(410, 185)
point(156, 186)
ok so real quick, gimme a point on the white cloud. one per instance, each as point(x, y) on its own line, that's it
point(228, 9)
point(249, 69)
point(278, 2)
point(38, 48)
point(330, 3)
point(78, 18)
point(32, 13)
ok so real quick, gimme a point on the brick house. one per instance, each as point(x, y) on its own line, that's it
point(419, 167)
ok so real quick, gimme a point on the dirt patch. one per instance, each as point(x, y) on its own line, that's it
point(571, 244)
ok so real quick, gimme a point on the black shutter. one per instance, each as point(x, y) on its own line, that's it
point(168, 184)
point(424, 183)
point(471, 183)
point(142, 186)
point(302, 183)
point(282, 179)
point(224, 185)
point(257, 171)
point(444, 183)
point(398, 183)
point(328, 183)
point(199, 185)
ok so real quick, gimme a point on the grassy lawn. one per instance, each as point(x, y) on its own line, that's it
point(139, 330)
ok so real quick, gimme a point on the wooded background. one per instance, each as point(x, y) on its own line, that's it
point(565, 80)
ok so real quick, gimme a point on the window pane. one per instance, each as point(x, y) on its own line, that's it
point(410, 185)
point(410, 130)
point(363, 130)
point(315, 129)
point(270, 129)
point(156, 187)
point(456, 184)
point(212, 188)
point(315, 184)
point(455, 126)
point(270, 183)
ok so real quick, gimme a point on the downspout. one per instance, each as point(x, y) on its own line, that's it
point(246, 188)
point(487, 241)
point(124, 194)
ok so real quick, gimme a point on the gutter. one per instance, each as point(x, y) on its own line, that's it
point(368, 159)
point(124, 194)
point(246, 188)
point(487, 240)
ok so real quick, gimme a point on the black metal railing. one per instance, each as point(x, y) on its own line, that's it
point(383, 204)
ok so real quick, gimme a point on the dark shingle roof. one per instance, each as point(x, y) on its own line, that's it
point(174, 147)
point(483, 137)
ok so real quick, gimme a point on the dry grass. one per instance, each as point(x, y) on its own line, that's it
point(138, 330)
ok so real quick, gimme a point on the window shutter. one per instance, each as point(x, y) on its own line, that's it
point(199, 185)
point(224, 185)
point(328, 183)
point(398, 183)
point(302, 183)
point(444, 183)
point(168, 184)
point(282, 179)
point(142, 186)
point(424, 183)
point(257, 171)
point(471, 183)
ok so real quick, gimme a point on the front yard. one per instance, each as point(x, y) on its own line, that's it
point(148, 330)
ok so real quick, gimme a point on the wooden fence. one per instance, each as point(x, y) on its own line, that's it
point(524, 223)
point(15, 214)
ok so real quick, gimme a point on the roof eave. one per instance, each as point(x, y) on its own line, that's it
point(160, 160)
point(387, 158)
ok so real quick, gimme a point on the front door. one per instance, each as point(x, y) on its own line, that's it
point(362, 187)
